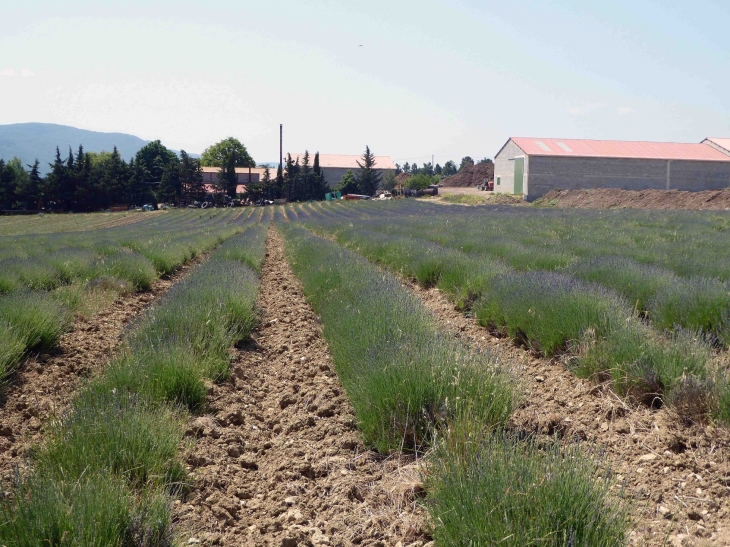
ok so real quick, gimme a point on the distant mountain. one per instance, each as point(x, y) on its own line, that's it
point(29, 141)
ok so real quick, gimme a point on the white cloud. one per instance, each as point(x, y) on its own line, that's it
point(625, 110)
point(7, 72)
point(26, 72)
point(586, 109)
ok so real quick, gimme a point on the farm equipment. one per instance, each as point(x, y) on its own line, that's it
point(355, 196)
point(487, 185)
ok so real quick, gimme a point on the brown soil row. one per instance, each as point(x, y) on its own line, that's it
point(677, 476)
point(45, 383)
point(613, 198)
point(278, 460)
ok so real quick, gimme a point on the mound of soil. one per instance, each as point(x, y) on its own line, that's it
point(613, 198)
point(279, 460)
point(471, 175)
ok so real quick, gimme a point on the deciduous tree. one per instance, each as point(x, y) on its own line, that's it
point(220, 154)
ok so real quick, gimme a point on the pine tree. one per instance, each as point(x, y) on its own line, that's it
point(367, 178)
point(305, 176)
point(280, 184)
point(7, 188)
point(290, 178)
point(319, 184)
point(33, 190)
point(227, 177)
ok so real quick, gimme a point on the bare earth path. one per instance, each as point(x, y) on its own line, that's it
point(678, 476)
point(279, 461)
point(44, 383)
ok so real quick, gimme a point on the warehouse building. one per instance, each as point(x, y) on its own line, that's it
point(334, 166)
point(532, 167)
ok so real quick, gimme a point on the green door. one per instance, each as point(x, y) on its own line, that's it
point(519, 173)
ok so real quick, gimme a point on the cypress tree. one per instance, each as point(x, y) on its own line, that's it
point(367, 178)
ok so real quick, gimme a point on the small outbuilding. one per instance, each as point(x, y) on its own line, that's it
point(534, 166)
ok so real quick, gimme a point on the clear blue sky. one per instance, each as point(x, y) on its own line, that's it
point(432, 77)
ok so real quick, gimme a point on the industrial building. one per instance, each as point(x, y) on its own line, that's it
point(534, 166)
point(334, 166)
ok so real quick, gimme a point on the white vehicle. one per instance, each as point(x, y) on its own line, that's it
point(385, 195)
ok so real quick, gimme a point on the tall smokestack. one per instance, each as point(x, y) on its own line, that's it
point(281, 145)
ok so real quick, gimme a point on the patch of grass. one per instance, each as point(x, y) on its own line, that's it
point(548, 311)
point(643, 364)
point(12, 348)
point(639, 283)
point(116, 432)
point(36, 317)
point(464, 199)
point(173, 374)
point(501, 491)
point(695, 304)
point(88, 299)
point(97, 510)
point(129, 266)
point(28, 273)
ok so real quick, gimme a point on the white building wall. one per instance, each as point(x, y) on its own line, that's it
point(504, 169)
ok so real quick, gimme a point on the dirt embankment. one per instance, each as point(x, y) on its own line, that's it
point(279, 461)
point(471, 175)
point(45, 383)
point(613, 198)
point(677, 476)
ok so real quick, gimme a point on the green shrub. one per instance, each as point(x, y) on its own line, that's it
point(12, 348)
point(501, 491)
point(643, 364)
point(695, 304)
point(548, 311)
point(36, 318)
point(121, 433)
point(129, 266)
point(96, 510)
point(172, 374)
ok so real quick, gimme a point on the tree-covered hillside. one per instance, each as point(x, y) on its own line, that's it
point(31, 141)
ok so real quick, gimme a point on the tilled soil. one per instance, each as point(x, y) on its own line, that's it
point(677, 476)
point(614, 198)
point(278, 460)
point(45, 383)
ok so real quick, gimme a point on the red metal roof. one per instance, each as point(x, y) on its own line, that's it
point(619, 149)
point(722, 143)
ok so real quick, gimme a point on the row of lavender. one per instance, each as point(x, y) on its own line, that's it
point(413, 388)
point(48, 278)
point(620, 295)
point(108, 468)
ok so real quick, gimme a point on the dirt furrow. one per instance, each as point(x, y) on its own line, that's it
point(44, 383)
point(677, 475)
point(278, 460)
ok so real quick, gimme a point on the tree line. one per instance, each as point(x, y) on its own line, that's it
point(92, 181)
